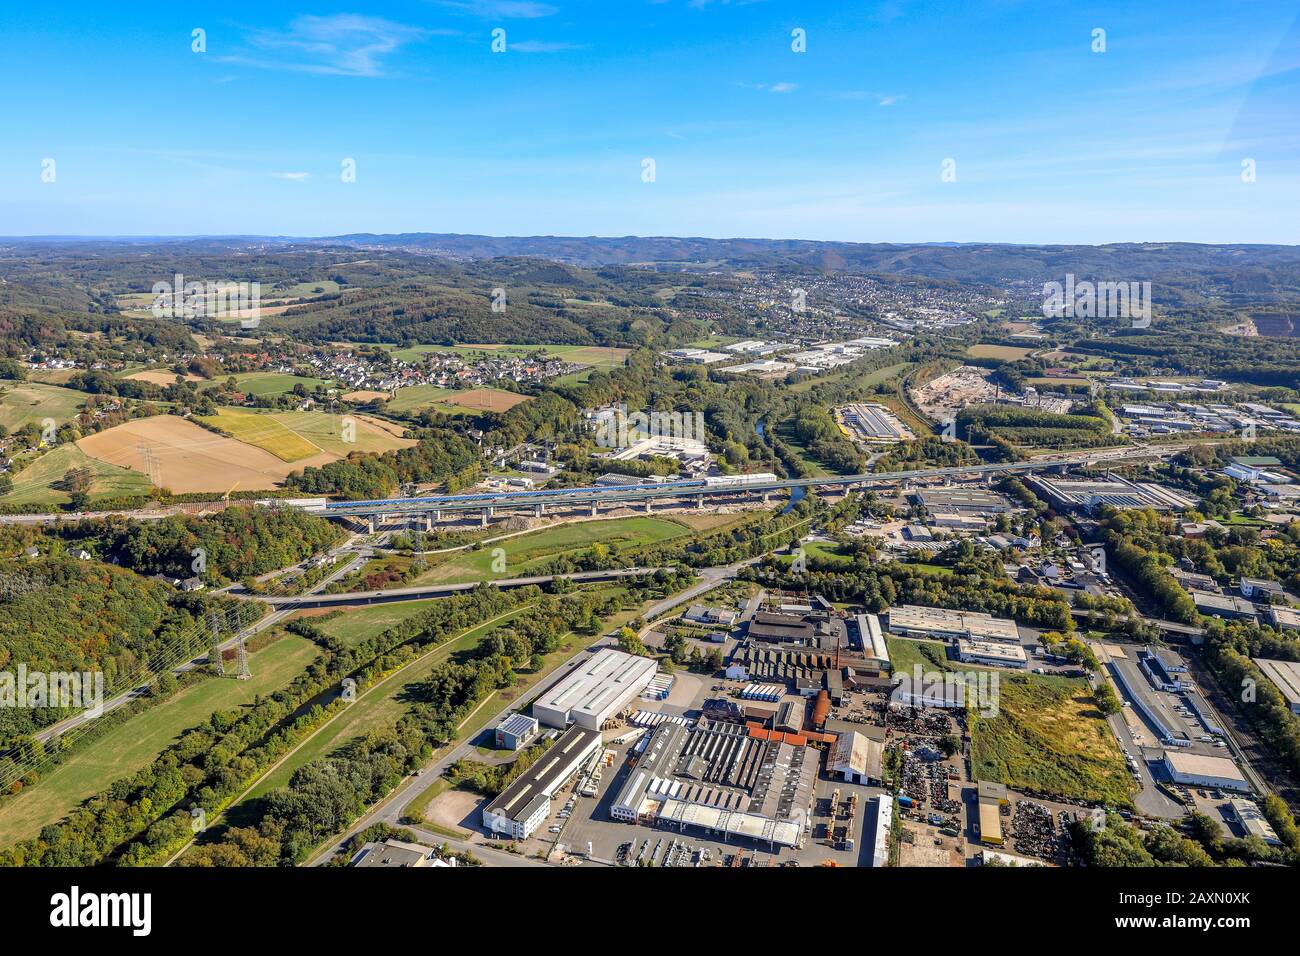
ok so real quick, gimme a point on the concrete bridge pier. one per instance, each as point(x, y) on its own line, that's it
point(593, 509)
point(370, 525)
point(483, 517)
point(647, 506)
point(699, 502)
point(541, 509)
point(428, 522)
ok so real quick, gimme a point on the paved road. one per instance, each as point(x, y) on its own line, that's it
point(709, 579)
point(436, 590)
point(391, 809)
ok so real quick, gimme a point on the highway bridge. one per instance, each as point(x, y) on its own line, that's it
point(487, 503)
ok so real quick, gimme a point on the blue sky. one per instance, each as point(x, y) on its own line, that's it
point(1052, 142)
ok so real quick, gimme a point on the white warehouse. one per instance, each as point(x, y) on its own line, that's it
point(595, 691)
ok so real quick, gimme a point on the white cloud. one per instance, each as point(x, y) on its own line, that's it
point(341, 44)
point(503, 9)
point(294, 177)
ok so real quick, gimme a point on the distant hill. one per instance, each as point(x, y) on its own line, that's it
point(985, 262)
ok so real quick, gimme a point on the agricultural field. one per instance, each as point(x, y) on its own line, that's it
point(142, 737)
point(296, 436)
point(192, 459)
point(189, 458)
point(264, 431)
point(483, 400)
point(23, 403)
point(363, 397)
point(161, 376)
point(304, 290)
point(274, 383)
point(526, 551)
point(33, 485)
point(326, 431)
point(1049, 738)
point(417, 396)
point(1007, 353)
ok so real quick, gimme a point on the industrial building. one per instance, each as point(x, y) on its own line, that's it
point(526, 803)
point(1251, 819)
point(938, 623)
point(703, 616)
point(723, 777)
point(1149, 703)
point(1286, 676)
point(855, 758)
point(515, 732)
point(880, 835)
point(991, 798)
point(779, 628)
point(1164, 669)
point(1200, 770)
point(1089, 495)
point(1284, 618)
point(1199, 706)
point(871, 640)
point(1223, 605)
point(992, 653)
point(963, 500)
point(596, 691)
point(872, 422)
point(393, 854)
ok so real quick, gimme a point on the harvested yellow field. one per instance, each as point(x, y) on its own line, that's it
point(161, 376)
point(485, 399)
point(190, 458)
point(364, 396)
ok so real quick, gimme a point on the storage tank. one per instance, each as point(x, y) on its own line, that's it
point(821, 709)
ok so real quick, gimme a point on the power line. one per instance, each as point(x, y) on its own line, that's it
point(179, 651)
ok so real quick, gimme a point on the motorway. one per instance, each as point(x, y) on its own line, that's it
point(418, 593)
point(628, 494)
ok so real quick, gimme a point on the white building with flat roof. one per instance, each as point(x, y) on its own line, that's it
point(1200, 770)
point(522, 807)
point(595, 691)
point(939, 623)
point(993, 653)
